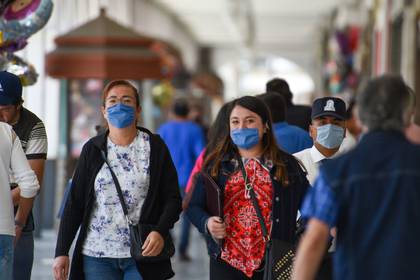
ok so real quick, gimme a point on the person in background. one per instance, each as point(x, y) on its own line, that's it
point(217, 131)
point(149, 183)
point(290, 138)
point(371, 194)
point(353, 128)
point(100, 129)
point(299, 115)
point(353, 124)
point(31, 132)
point(328, 129)
point(12, 159)
point(277, 178)
point(196, 114)
point(413, 130)
point(185, 140)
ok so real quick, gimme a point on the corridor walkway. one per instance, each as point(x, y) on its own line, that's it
point(197, 269)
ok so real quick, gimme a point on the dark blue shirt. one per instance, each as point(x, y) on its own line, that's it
point(372, 195)
point(185, 141)
point(290, 138)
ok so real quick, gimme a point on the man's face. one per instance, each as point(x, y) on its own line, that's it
point(323, 121)
point(9, 113)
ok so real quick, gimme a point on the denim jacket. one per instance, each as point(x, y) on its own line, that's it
point(377, 189)
point(286, 200)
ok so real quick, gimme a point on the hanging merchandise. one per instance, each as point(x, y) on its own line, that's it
point(15, 65)
point(21, 19)
point(340, 73)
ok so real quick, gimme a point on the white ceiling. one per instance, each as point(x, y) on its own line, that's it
point(280, 25)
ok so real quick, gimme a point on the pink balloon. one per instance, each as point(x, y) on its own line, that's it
point(26, 8)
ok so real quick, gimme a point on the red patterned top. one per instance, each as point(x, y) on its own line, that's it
point(244, 244)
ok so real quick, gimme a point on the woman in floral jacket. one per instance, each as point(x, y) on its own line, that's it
point(143, 166)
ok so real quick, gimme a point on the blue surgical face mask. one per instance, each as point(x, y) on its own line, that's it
point(330, 136)
point(245, 138)
point(120, 115)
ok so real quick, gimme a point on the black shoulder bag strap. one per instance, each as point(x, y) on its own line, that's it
point(118, 187)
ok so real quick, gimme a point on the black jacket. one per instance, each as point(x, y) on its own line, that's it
point(161, 207)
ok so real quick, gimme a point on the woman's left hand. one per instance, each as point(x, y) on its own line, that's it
point(153, 244)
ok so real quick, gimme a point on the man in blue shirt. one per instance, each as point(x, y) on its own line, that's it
point(290, 138)
point(185, 141)
point(371, 195)
point(299, 115)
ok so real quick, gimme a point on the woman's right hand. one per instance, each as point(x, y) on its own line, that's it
point(216, 227)
point(61, 267)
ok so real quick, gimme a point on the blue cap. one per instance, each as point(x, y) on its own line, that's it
point(10, 89)
point(329, 106)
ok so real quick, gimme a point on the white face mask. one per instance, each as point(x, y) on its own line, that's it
point(330, 136)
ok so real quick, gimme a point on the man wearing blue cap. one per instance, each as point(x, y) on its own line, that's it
point(31, 132)
point(327, 129)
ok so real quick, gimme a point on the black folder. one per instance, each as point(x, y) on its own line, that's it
point(214, 196)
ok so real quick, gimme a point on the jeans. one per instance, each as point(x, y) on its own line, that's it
point(185, 233)
point(6, 257)
point(24, 257)
point(110, 269)
point(185, 230)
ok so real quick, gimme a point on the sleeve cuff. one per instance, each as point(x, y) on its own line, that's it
point(206, 229)
point(162, 231)
point(204, 221)
point(28, 184)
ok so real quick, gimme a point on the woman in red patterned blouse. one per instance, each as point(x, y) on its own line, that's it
point(277, 179)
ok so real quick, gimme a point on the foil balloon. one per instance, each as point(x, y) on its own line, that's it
point(16, 65)
point(20, 20)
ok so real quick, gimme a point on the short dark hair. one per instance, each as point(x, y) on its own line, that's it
point(382, 104)
point(280, 86)
point(276, 104)
point(180, 107)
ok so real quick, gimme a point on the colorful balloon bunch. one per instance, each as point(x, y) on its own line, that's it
point(19, 19)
